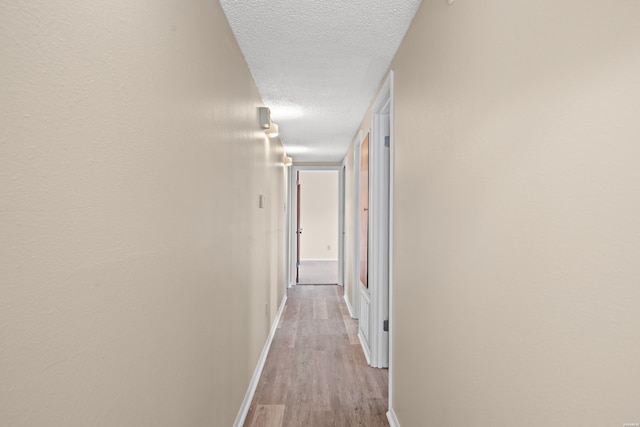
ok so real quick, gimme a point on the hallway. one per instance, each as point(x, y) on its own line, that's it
point(148, 217)
point(316, 374)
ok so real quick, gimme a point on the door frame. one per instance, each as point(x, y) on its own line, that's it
point(381, 224)
point(341, 223)
point(289, 247)
point(298, 228)
point(363, 292)
point(292, 214)
point(353, 300)
point(380, 208)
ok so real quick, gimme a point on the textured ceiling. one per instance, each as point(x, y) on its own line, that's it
point(318, 64)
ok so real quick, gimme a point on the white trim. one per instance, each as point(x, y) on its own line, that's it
point(391, 240)
point(288, 229)
point(391, 417)
point(318, 259)
point(341, 223)
point(293, 201)
point(380, 183)
point(253, 384)
point(355, 271)
point(346, 301)
point(292, 214)
point(364, 322)
point(365, 349)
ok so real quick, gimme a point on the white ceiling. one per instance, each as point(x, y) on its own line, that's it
point(318, 64)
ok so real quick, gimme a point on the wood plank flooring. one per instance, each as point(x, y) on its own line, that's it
point(316, 374)
point(318, 272)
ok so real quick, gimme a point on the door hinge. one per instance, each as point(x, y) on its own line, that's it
point(385, 325)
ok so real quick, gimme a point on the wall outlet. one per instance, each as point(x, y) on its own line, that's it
point(328, 247)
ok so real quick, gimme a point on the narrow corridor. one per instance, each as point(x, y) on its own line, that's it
point(316, 374)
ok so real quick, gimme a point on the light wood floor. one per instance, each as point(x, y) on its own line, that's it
point(316, 374)
point(318, 272)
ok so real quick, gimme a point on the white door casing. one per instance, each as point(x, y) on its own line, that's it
point(379, 217)
point(341, 225)
point(292, 214)
point(363, 292)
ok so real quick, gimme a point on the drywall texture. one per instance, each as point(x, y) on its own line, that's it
point(517, 215)
point(136, 265)
point(319, 215)
point(317, 64)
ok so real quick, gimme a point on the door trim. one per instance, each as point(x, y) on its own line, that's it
point(379, 223)
point(292, 215)
point(355, 247)
point(341, 225)
point(381, 211)
point(298, 228)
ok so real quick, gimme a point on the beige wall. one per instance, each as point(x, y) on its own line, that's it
point(517, 210)
point(319, 214)
point(137, 269)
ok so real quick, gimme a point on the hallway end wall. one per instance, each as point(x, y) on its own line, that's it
point(319, 215)
point(139, 275)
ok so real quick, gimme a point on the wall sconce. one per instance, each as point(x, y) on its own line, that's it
point(286, 160)
point(264, 117)
point(272, 132)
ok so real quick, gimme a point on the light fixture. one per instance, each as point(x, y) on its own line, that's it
point(272, 132)
point(297, 149)
point(286, 112)
point(286, 160)
point(264, 117)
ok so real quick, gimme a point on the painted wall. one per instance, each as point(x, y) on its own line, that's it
point(139, 276)
point(319, 214)
point(517, 210)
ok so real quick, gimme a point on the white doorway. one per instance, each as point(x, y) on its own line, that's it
point(315, 225)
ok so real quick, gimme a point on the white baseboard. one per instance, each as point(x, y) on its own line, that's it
point(348, 303)
point(248, 397)
point(365, 349)
point(393, 420)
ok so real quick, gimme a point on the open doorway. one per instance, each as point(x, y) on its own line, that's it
point(316, 222)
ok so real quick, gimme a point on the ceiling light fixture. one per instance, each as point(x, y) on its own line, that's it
point(296, 149)
point(286, 112)
point(264, 117)
point(272, 132)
